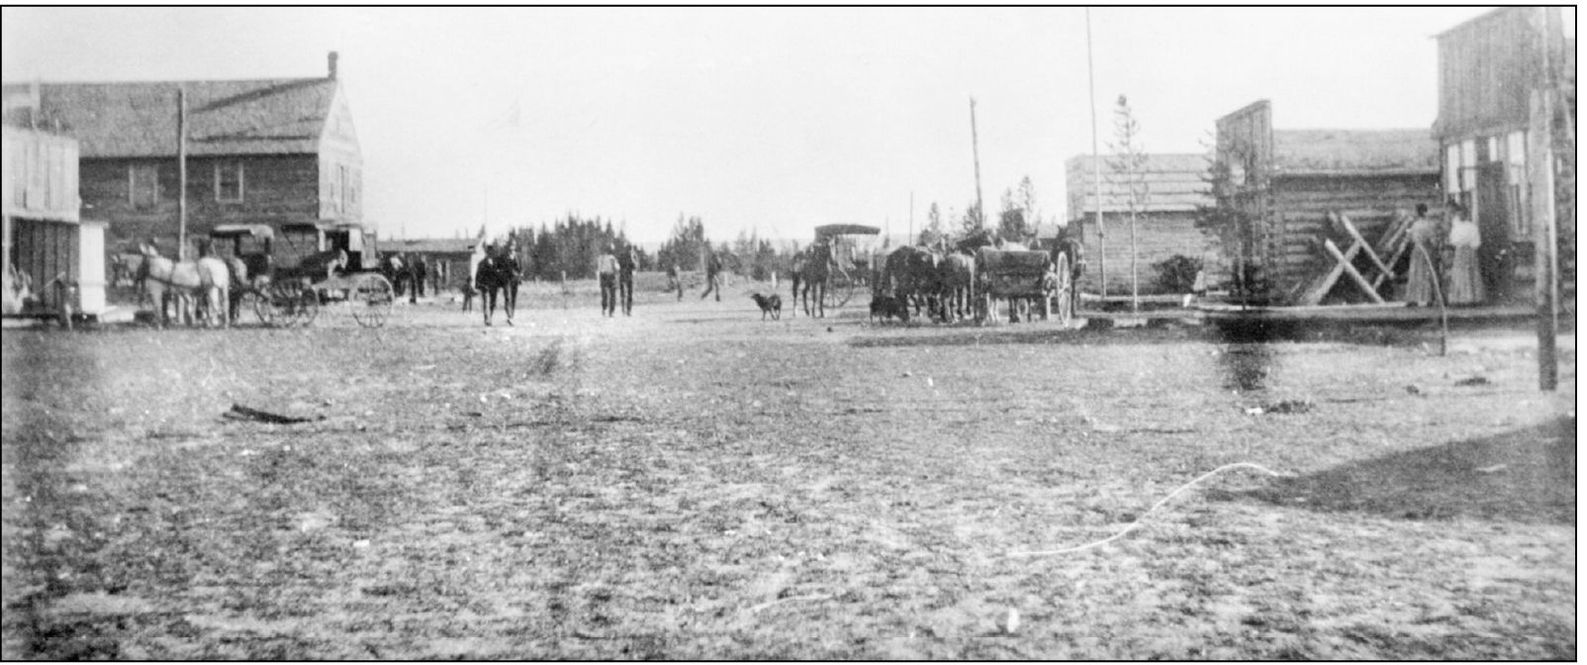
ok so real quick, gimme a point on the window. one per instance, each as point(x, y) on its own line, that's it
point(143, 182)
point(228, 181)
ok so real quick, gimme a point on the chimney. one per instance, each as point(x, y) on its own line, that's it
point(331, 65)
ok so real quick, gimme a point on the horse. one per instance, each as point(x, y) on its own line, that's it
point(956, 276)
point(206, 278)
point(812, 277)
point(911, 273)
point(497, 272)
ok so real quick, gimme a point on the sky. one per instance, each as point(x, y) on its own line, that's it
point(763, 120)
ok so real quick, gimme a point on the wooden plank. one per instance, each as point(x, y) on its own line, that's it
point(1315, 294)
point(1344, 220)
point(1350, 270)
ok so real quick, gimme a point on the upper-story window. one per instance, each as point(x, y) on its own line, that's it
point(347, 185)
point(228, 181)
point(143, 186)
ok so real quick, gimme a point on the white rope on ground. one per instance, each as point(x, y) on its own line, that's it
point(1159, 504)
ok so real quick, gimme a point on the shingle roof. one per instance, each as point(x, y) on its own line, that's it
point(1354, 151)
point(269, 116)
point(1174, 184)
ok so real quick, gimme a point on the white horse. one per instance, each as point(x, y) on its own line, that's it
point(207, 278)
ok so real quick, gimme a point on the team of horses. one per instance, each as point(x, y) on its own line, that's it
point(209, 290)
point(943, 283)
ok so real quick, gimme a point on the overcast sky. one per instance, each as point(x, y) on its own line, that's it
point(772, 120)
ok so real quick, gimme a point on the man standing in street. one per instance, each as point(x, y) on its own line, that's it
point(606, 270)
point(713, 275)
point(627, 263)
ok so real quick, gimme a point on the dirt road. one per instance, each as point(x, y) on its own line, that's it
point(692, 482)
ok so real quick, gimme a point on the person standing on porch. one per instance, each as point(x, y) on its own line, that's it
point(1465, 274)
point(1426, 260)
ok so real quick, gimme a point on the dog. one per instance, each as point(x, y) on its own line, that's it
point(771, 304)
point(886, 307)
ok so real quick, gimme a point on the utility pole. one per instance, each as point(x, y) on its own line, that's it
point(1096, 165)
point(1540, 164)
point(911, 218)
point(181, 174)
point(975, 149)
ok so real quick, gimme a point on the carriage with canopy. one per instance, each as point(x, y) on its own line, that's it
point(852, 259)
point(297, 268)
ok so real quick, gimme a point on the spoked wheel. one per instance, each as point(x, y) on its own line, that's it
point(1064, 308)
point(840, 288)
point(370, 300)
point(288, 304)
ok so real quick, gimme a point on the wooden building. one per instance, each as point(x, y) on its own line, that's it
point(269, 151)
point(1490, 71)
point(1274, 190)
point(447, 259)
point(53, 259)
point(1175, 186)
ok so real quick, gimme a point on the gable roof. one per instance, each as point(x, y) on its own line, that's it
point(1174, 184)
point(1354, 152)
point(253, 117)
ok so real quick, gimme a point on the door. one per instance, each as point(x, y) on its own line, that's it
point(1495, 258)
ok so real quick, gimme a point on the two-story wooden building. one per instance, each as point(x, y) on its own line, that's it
point(268, 151)
point(1492, 71)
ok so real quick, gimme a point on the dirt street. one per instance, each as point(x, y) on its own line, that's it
point(694, 483)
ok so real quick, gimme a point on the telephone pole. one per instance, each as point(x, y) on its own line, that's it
point(975, 150)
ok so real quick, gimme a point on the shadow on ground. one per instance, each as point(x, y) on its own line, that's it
point(1526, 475)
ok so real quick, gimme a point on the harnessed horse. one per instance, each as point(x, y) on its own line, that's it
point(811, 274)
point(207, 278)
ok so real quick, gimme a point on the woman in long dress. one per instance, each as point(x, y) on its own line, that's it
point(1420, 289)
point(1465, 279)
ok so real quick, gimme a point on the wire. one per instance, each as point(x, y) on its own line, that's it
point(1159, 504)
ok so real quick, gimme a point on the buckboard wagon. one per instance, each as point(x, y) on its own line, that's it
point(314, 265)
point(1023, 277)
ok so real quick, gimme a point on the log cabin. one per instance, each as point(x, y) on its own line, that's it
point(265, 151)
point(1274, 190)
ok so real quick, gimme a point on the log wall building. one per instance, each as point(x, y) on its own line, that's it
point(270, 151)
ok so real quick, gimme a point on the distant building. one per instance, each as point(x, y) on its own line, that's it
point(270, 151)
point(1489, 69)
point(1165, 222)
point(1282, 184)
point(446, 258)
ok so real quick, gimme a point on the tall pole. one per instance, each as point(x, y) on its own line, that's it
point(1540, 163)
point(1096, 166)
point(911, 219)
point(181, 174)
point(975, 150)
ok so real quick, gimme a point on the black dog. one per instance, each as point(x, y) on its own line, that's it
point(771, 304)
point(887, 307)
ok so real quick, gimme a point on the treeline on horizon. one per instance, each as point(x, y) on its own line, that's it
point(569, 246)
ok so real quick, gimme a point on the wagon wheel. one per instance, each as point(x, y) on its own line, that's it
point(287, 303)
point(840, 288)
point(1065, 305)
point(370, 299)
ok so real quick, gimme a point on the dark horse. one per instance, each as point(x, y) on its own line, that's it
point(498, 271)
point(812, 271)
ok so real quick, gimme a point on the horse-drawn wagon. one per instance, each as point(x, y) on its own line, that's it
point(314, 265)
point(848, 267)
point(1022, 277)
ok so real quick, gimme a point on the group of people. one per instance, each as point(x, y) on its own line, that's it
point(1441, 248)
point(409, 274)
point(616, 273)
